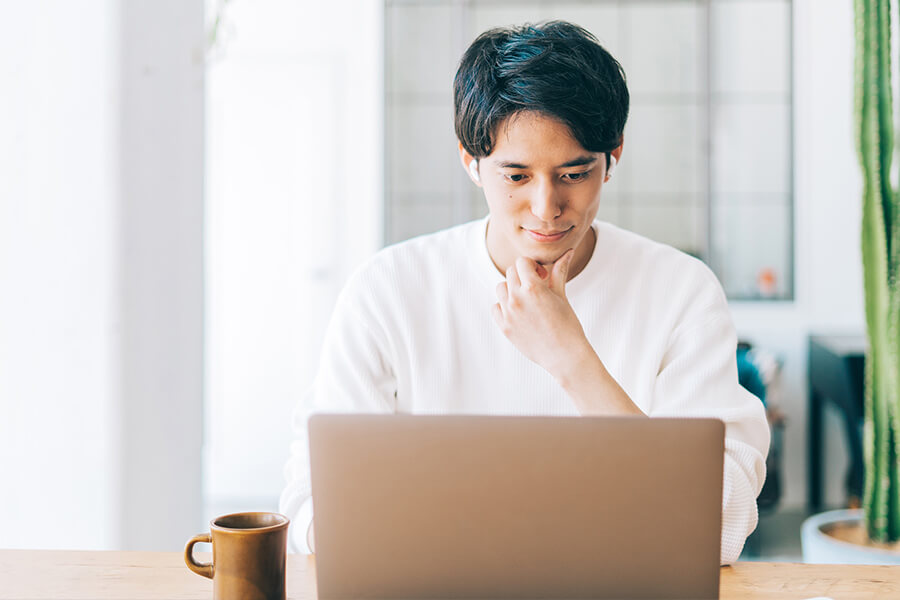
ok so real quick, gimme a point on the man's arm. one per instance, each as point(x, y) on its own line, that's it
point(354, 375)
point(593, 389)
point(698, 378)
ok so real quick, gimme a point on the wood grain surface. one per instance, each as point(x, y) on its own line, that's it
point(91, 575)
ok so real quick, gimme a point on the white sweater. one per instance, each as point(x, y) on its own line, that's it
point(412, 332)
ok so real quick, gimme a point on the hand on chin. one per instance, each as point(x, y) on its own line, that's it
point(533, 313)
point(545, 257)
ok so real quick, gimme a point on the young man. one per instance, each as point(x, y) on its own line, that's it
point(538, 309)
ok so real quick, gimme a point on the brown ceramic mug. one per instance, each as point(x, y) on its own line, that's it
point(249, 555)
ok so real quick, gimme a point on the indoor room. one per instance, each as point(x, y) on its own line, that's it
point(221, 217)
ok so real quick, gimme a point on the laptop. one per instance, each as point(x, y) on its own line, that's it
point(454, 506)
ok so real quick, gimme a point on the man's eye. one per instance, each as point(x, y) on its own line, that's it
point(576, 176)
point(515, 177)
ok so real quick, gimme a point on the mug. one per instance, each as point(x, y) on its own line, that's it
point(249, 555)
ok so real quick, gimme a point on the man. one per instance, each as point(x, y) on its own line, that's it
point(538, 309)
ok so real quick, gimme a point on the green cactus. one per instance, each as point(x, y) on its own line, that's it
point(881, 261)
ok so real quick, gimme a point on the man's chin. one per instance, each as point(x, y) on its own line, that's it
point(545, 256)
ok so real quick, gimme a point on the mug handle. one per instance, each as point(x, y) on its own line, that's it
point(205, 569)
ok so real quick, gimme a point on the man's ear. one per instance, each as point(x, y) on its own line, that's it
point(617, 151)
point(613, 159)
point(467, 159)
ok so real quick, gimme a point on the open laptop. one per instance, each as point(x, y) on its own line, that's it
point(516, 507)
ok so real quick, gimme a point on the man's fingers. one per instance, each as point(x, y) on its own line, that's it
point(527, 270)
point(512, 278)
point(502, 292)
point(498, 315)
point(559, 274)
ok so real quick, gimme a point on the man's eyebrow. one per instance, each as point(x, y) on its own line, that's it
point(576, 162)
point(504, 164)
point(581, 160)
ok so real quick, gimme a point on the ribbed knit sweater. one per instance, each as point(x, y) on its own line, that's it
point(412, 332)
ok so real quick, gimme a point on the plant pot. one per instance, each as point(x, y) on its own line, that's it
point(819, 547)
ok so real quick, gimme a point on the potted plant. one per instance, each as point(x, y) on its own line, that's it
point(872, 535)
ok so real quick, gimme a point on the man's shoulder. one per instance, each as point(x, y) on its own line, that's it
point(419, 262)
point(452, 240)
point(632, 247)
point(667, 286)
point(439, 248)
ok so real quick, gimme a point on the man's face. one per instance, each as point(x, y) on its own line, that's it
point(543, 191)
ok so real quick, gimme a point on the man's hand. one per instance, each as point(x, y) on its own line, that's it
point(534, 314)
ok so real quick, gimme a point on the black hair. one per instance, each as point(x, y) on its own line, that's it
point(555, 68)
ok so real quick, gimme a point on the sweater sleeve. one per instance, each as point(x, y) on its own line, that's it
point(698, 378)
point(354, 375)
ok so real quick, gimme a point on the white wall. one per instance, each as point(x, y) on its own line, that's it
point(826, 232)
point(59, 308)
point(100, 274)
point(160, 244)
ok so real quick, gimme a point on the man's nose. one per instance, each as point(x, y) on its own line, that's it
point(546, 203)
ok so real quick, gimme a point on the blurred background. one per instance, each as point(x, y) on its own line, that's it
point(185, 185)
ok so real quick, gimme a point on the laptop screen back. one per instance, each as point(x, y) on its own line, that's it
point(516, 507)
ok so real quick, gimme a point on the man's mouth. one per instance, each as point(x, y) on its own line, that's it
point(547, 235)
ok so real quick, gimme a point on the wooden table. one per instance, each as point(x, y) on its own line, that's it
point(85, 575)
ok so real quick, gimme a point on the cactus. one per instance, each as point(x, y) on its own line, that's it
point(881, 262)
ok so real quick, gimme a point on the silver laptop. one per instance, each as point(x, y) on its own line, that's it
point(516, 507)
